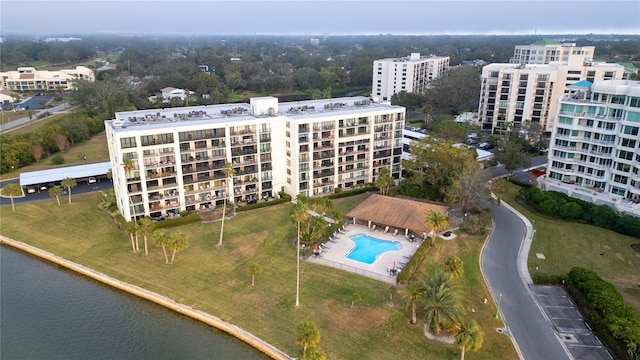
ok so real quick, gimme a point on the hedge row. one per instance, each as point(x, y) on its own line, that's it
point(347, 193)
point(613, 321)
point(414, 262)
point(556, 204)
point(284, 199)
point(179, 221)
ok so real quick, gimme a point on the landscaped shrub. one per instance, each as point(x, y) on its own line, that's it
point(543, 279)
point(282, 200)
point(179, 221)
point(352, 192)
point(476, 223)
point(555, 204)
point(57, 159)
point(613, 321)
point(414, 262)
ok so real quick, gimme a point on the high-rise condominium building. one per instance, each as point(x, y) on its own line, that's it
point(308, 147)
point(546, 51)
point(594, 153)
point(411, 74)
point(515, 93)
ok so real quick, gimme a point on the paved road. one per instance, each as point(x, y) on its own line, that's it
point(25, 120)
point(533, 334)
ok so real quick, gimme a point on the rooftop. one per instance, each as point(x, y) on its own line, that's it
point(184, 116)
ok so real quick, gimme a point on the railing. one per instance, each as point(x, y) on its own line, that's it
point(351, 269)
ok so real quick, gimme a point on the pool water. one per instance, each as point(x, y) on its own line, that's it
point(368, 248)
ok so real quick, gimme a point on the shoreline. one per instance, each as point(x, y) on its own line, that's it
point(156, 298)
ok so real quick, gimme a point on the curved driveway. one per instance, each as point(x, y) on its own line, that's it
point(532, 333)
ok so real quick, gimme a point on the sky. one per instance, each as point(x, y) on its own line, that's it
point(331, 17)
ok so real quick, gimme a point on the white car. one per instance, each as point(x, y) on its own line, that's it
point(91, 180)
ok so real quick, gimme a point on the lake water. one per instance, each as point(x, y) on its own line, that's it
point(48, 312)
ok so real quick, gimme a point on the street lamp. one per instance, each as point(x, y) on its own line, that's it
point(497, 315)
point(298, 269)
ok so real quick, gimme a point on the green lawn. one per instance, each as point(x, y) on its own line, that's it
point(567, 244)
point(216, 280)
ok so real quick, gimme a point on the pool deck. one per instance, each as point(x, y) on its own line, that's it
point(336, 255)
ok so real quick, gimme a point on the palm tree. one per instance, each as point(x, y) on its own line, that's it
point(454, 266)
point(300, 214)
point(411, 294)
point(69, 183)
point(146, 226)
point(129, 166)
point(254, 269)
point(308, 336)
point(427, 114)
point(177, 242)
point(436, 221)
point(229, 173)
point(469, 336)
point(441, 302)
point(131, 228)
point(162, 241)
point(56, 191)
point(384, 181)
point(355, 298)
point(11, 190)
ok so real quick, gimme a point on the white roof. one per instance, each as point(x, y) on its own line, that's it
point(57, 174)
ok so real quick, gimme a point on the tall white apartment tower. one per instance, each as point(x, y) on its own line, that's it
point(511, 94)
point(307, 147)
point(411, 74)
point(594, 154)
point(546, 51)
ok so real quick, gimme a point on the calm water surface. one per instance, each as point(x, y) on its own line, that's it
point(50, 313)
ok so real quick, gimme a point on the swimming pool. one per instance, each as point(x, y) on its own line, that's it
point(368, 249)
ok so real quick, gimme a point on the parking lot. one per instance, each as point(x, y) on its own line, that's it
point(569, 324)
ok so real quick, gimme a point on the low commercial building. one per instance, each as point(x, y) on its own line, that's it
point(30, 79)
point(308, 147)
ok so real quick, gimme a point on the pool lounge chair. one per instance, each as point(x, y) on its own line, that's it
point(395, 232)
point(373, 228)
point(342, 229)
point(386, 229)
point(332, 239)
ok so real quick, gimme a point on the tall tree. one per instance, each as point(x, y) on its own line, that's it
point(12, 190)
point(300, 214)
point(471, 188)
point(411, 294)
point(131, 228)
point(512, 157)
point(436, 221)
point(469, 336)
point(147, 227)
point(307, 336)
point(437, 162)
point(61, 142)
point(69, 183)
point(37, 151)
point(384, 181)
point(56, 191)
point(229, 173)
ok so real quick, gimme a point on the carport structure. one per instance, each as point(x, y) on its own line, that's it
point(52, 176)
point(403, 214)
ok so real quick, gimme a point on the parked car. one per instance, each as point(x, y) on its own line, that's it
point(91, 180)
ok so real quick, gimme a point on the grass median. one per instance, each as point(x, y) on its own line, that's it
point(217, 280)
point(569, 244)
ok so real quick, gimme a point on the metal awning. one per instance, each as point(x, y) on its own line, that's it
point(57, 174)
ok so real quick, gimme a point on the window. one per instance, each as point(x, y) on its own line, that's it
point(630, 130)
point(128, 142)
